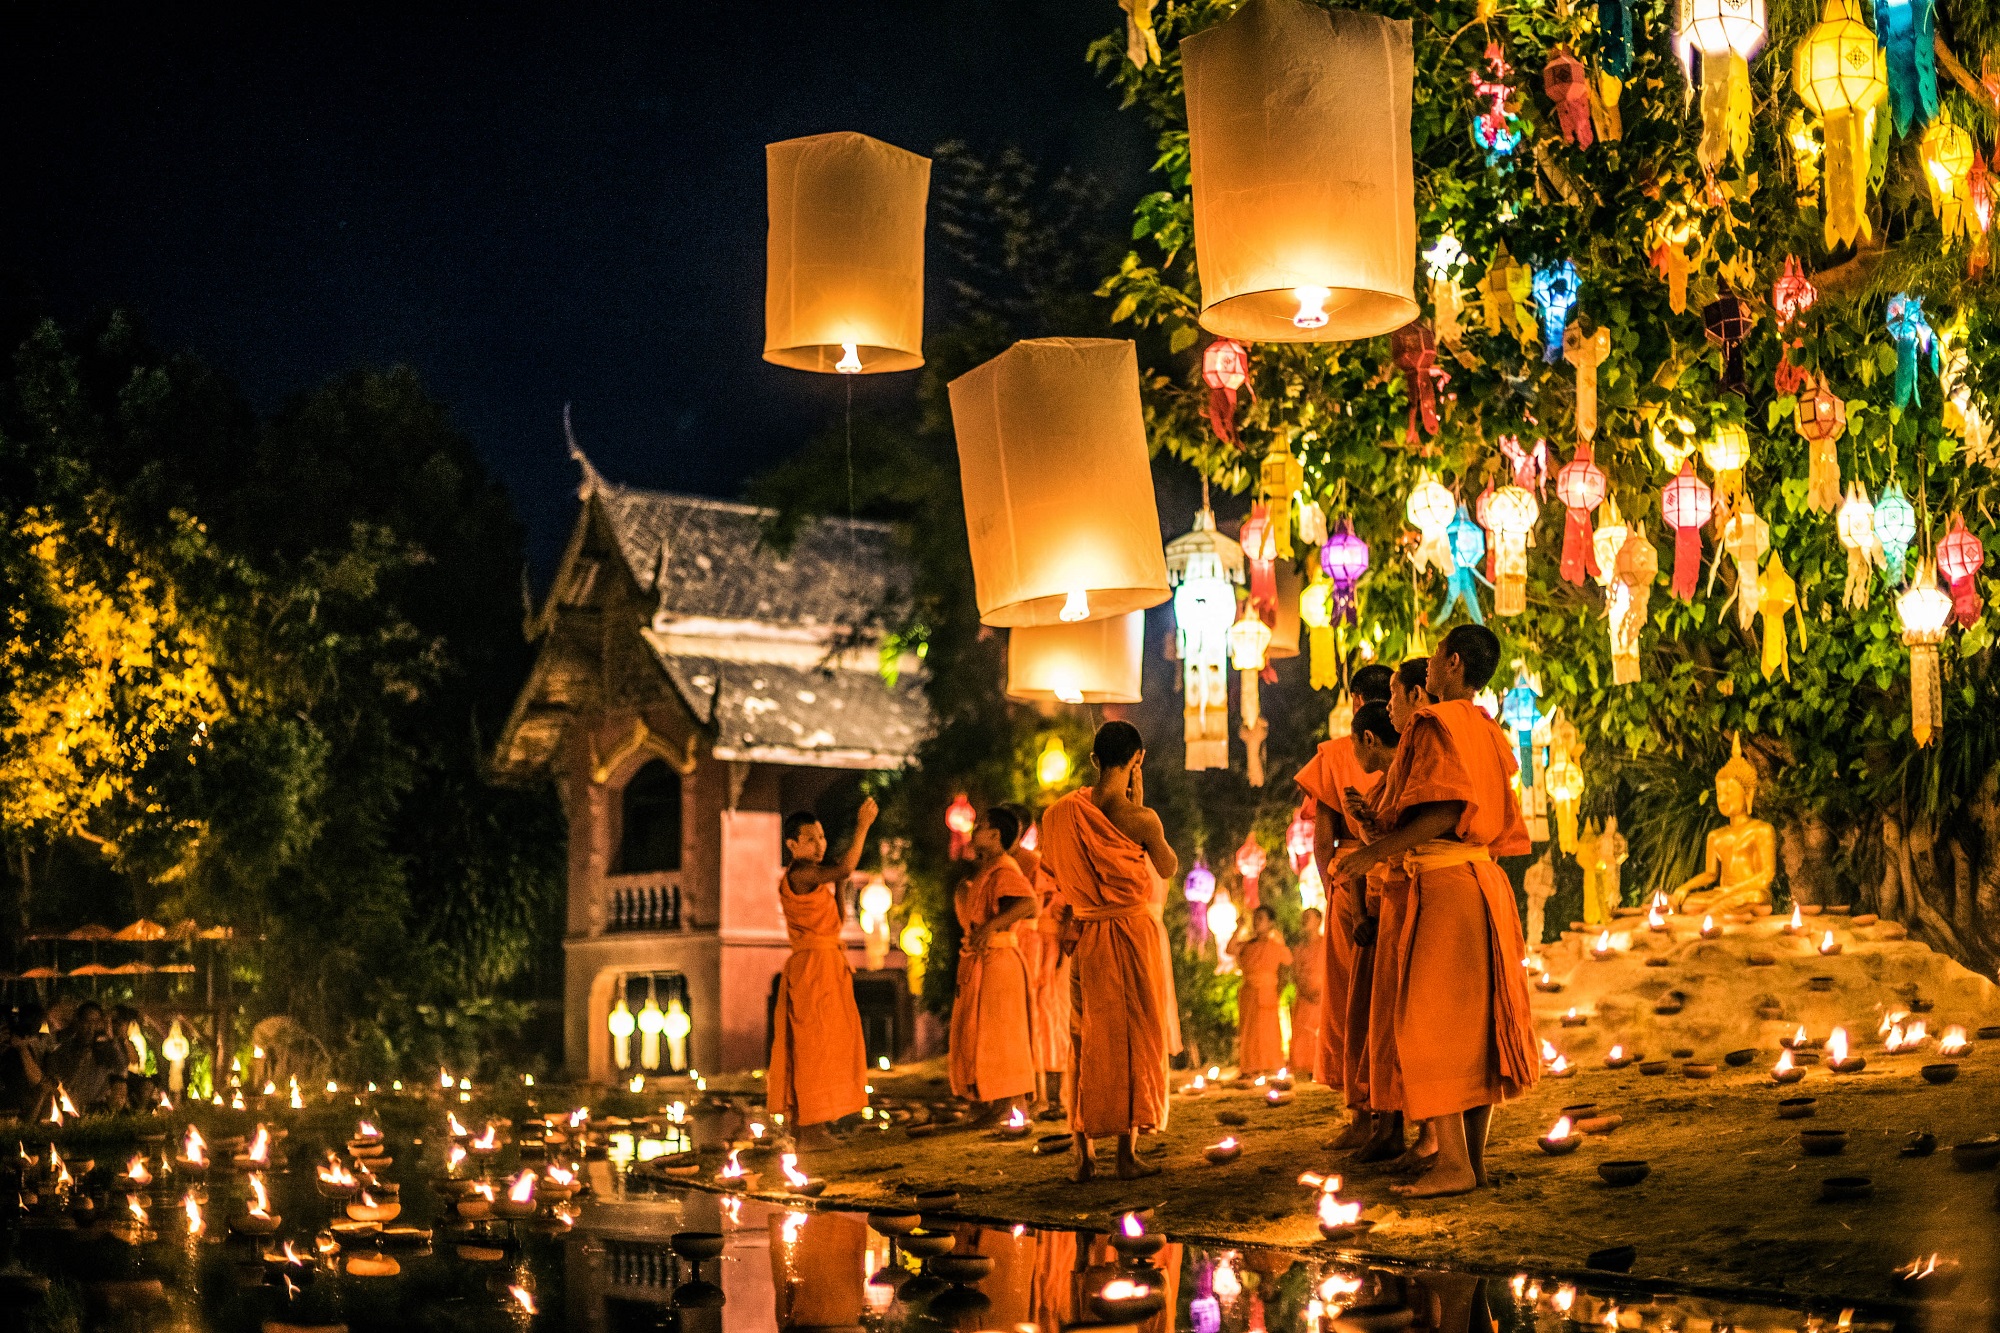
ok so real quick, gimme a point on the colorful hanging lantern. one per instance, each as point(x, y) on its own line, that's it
point(1727, 321)
point(1580, 485)
point(1511, 516)
point(1413, 348)
point(1222, 919)
point(1495, 130)
point(1249, 637)
point(1631, 598)
point(1562, 779)
point(1840, 73)
point(1284, 620)
point(1728, 33)
point(1676, 451)
point(1205, 568)
point(1911, 333)
point(1895, 528)
point(1199, 886)
point(1924, 609)
point(1057, 483)
point(1091, 662)
point(1430, 510)
point(1555, 296)
point(1280, 477)
point(1567, 83)
point(1586, 353)
point(961, 819)
point(1260, 554)
point(1793, 293)
point(1780, 594)
point(1501, 291)
point(1907, 34)
point(1300, 164)
point(1686, 504)
point(1250, 862)
point(1316, 612)
point(1344, 559)
point(1606, 541)
point(1311, 520)
point(1964, 414)
point(1727, 452)
point(844, 259)
point(1299, 837)
point(1746, 538)
point(1856, 525)
point(1225, 368)
point(1441, 263)
point(1948, 154)
point(1468, 548)
point(1669, 255)
point(1820, 417)
point(1521, 713)
point(1960, 556)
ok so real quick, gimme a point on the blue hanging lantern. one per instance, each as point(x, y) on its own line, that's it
point(1895, 528)
point(1915, 342)
point(1614, 37)
point(1555, 295)
point(1905, 29)
point(1468, 549)
point(1520, 710)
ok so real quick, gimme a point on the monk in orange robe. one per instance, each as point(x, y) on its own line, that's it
point(818, 1263)
point(1097, 843)
point(1048, 973)
point(1373, 1082)
point(992, 1018)
point(1308, 992)
point(819, 1062)
point(1260, 1047)
point(1464, 1038)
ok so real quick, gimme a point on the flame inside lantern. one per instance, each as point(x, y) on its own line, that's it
point(523, 1188)
point(1836, 1046)
point(733, 1168)
point(794, 1177)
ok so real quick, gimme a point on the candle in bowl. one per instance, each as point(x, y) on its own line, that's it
point(1278, 1096)
point(1228, 1150)
point(1561, 1138)
point(1837, 1058)
point(1547, 984)
point(1797, 925)
point(1618, 1057)
point(1603, 949)
point(1573, 1019)
point(1829, 946)
point(1709, 929)
point(1133, 1241)
point(1953, 1045)
point(1656, 921)
point(1785, 1071)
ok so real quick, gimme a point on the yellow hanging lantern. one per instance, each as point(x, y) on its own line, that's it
point(1947, 153)
point(1248, 638)
point(1746, 538)
point(1924, 609)
point(1058, 483)
point(1279, 478)
point(844, 263)
point(1726, 453)
point(1586, 352)
point(1563, 781)
point(1856, 524)
point(1780, 594)
point(1430, 510)
point(1300, 162)
point(1631, 598)
point(915, 942)
point(1316, 611)
point(622, 1026)
point(1727, 33)
point(1511, 515)
point(1840, 73)
point(1607, 539)
point(1094, 662)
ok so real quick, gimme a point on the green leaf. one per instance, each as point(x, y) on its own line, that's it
point(1183, 338)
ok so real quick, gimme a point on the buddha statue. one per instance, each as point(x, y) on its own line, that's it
point(1742, 855)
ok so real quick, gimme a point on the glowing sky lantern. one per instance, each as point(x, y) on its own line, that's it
point(1091, 662)
point(1205, 567)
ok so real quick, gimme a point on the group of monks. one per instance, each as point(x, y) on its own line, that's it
point(1410, 994)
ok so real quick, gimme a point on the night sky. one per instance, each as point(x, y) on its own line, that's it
point(531, 205)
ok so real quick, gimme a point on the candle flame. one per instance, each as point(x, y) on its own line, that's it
point(1827, 945)
point(523, 1188)
point(1228, 1142)
point(558, 1174)
point(1604, 941)
point(1836, 1045)
point(1199, 1082)
point(1784, 1064)
point(1549, 1051)
point(365, 1130)
point(195, 1224)
point(444, 1078)
point(260, 1201)
point(454, 1157)
point(794, 1177)
point(1708, 924)
point(1954, 1040)
point(333, 1173)
point(192, 1145)
point(489, 1138)
point(484, 1191)
point(1895, 1040)
point(733, 1168)
point(1919, 1267)
point(1018, 1119)
point(1075, 607)
point(62, 1097)
point(1799, 1038)
point(1656, 920)
point(1916, 1034)
point(260, 1146)
point(1132, 1226)
point(138, 1209)
point(292, 1256)
point(757, 1130)
point(1617, 1053)
point(1312, 307)
point(1798, 918)
point(1891, 1019)
point(1334, 1213)
point(1559, 1064)
point(524, 1298)
point(451, 1125)
point(1564, 1298)
point(1561, 1129)
point(135, 1170)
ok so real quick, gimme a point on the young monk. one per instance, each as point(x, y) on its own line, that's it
point(819, 1063)
point(1308, 993)
point(1325, 780)
point(1464, 1038)
point(1260, 1047)
point(1048, 975)
point(1097, 843)
point(1372, 1084)
point(992, 1019)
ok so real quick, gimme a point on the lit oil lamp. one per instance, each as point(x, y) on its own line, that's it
point(1837, 1058)
point(1226, 1151)
point(1337, 1220)
point(1928, 1275)
point(1799, 1041)
point(1016, 1125)
point(1554, 1063)
point(1603, 949)
point(1797, 925)
point(454, 1157)
point(258, 1155)
point(1829, 946)
point(453, 1128)
point(1656, 920)
point(1954, 1043)
point(1197, 1085)
point(1277, 1096)
point(558, 1182)
point(732, 1168)
point(797, 1181)
point(1573, 1019)
point(1547, 984)
point(487, 1143)
point(1282, 1079)
point(1133, 1242)
point(1709, 930)
point(335, 1180)
point(1127, 1300)
point(477, 1203)
point(524, 1299)
point(1785, 1071)
point(1916, 1034)
point(365, 1136)
point(519, 1201)
point(257, 1218)
point(367, 1208)
point(297, 1098)
point(1564, 1299)
point(135, 1176)
point(1561, 1138)
point(1618, 1057)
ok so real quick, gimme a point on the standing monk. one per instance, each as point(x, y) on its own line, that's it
point(1260, 1045)
point(1097, 843)
point(819, 1062)
point(1464, 1038)
point(1048, 974)
point(992, 1019)
point(1325, 781)
point(1308, 993)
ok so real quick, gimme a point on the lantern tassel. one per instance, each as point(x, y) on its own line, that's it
point(1725, 108)
point(1926, 693)
point(1905, 30)
point(1687, 561)
point(1325, 664)
point(1846, 194)
point(1222, 415)
point(1579, 555)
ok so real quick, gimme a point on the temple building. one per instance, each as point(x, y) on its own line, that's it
point(693, 684)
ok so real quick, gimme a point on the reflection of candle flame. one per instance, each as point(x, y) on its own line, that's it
point(524, 1299)
point(195, 1224)
point(193, 1145)
point(1564, 1298)
point(260, 1204)
point(1124, 1289)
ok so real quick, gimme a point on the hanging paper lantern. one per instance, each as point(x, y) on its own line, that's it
point(1631, 597)
point(1895, 528)
point(1316, 611)
point(1727, 452)
point(1093, 662)
point(1607, 539)
point(1856, 525)
point(1250, 861)
point(1563, 781)
point(1248, 639)
point(1959, 557)
point(1495, 130)
point(1780, 594)
point(1793, 293)
point(1669, 255)
point(1511, 516)
point(1284, 622)
point(1312, 890)
point(1205, 568)
point(1586, 352)
point(1260, 553)
point(1344, 559)
point(1299, 837)
point(1430, 510)
point(1501, 291)
point(1222, 919)
point(1567, 83)
point(1911, 333)
point(1441, 262)
point(1964, 414)
point(1948, 154)
point(1052, 766)
point(1521, 713)
point(961, 819)
point(1820, 417)
point(1300, 162)
point(1840, 73)
point(1312, 520)
point(1727, 321)
point(1675, 452)
point(1746, 538)
point(1908, 37)
point(1058, 483)
point(1686, 504)
point(844, 263)
point(1225, 368)
point(1727, 33)
point(1280, 477)
point(1468, 548)
point(1413, 348)
point(1199, 886)
point(1924, 609)
point(1580, 485)
point(1531, 465)
point(1555, 296)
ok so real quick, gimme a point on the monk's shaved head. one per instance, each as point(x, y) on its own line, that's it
point(1370, 685)
point(1477, 649)
point(1414, 674)
point(1116, 744)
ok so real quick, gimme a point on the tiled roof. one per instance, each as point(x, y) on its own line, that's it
point(789, 714)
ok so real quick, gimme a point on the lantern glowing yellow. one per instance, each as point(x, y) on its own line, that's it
point(1285, 632)
point(1563, 781)
point(1316, 611)
point(1855, 523)
point(844, 263)
point(1841, 73)
point(1630, 598)
point(1279, 478)
point(1725, 453)
point(1095, 662)
point(1248, 638)
point(1052, 766)
point(1747, 538)
point(622, 1026)
point(1925, 609)
point(1605, 541)
point(1727, 33)
point(1058, 484)
point(1304, 198)
point(1511, 515)
point(1947, 151)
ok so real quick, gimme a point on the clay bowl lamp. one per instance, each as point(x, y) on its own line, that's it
point(1573, 1019)
point(1990, 1033)
point(1930, 1276)
point(1561, 1140)
point(1822, 1142)
point(1737, 1059)
point(1977, 1154)
point(1623, 1173)
point(1016, 1125)
point(1282, 1080)
point(1653, 1067)
point(1051, 1144)
point(288, 1261)
point(1618, 1058)
point(1128, 1299)
point(1846, 1189)
point(1786, 1071)
point(1278, 1097)
point(370, 1263)
point(1603, 950)
point(406, 1236)
point(1228, 1150)
point(1711, 929)
point(1939, 1074)
point(346, 1230)
point(368, 1208)
point(518, 1204)
point(1828, 946)
point(1547, 984)
point(962, 1269)
point(1698, 1069)
point(474, 1208)
point(1234, 1119)
point(1837, 1058)
point(1797, 1108)
point(1133, 1242)
point(894, 1224)
point(924, 1243)
point(696, 1246)
point(255, 1224)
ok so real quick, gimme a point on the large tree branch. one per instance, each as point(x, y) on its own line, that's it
point(1958, 72)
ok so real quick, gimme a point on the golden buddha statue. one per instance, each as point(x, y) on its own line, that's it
point(1742, 855)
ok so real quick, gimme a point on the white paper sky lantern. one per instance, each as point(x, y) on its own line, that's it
point(1095, 662)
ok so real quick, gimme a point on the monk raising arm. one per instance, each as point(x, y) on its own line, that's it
point(805, 876)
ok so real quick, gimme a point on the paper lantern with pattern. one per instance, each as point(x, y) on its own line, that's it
point(1840, 73)
point(1686, 504)
point(1924, 610)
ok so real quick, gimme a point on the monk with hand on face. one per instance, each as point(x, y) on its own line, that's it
point(1099, 843)
point(1464, 1038)
point(819, 1062)
point(992, 1019)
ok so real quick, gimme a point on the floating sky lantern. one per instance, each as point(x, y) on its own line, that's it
point(1924, 609)
point(1090, 662)
point(1840, 73)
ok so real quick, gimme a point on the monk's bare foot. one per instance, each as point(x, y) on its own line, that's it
point(1358, 1133)
point(1083, 1161)
point(1386, 1142)
point(1132, 1168)
point(1414, 1162)
point(1439, 1184)
point(816, 1138)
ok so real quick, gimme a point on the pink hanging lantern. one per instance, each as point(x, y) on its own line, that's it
point(1225, 368)
point(961, 819)
point(1686, 504)
point(1260, 548)
point(1960, 556)
point(1249, 864)
point(1580, 485)
point(1299, 837)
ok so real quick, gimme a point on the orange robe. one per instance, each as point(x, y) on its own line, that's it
point(1260, 1046)
point(1011, 1284)
point(1326, 778)
point(1308, 1009)
point(817, 1276)
point(1118, 1062)
point(992, 1020)
point(819, 1062)
point(1464, 1035)
point(1048, 969)
point(1372, 1008)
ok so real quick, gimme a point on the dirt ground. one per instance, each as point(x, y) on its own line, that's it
point(1732, 1203)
